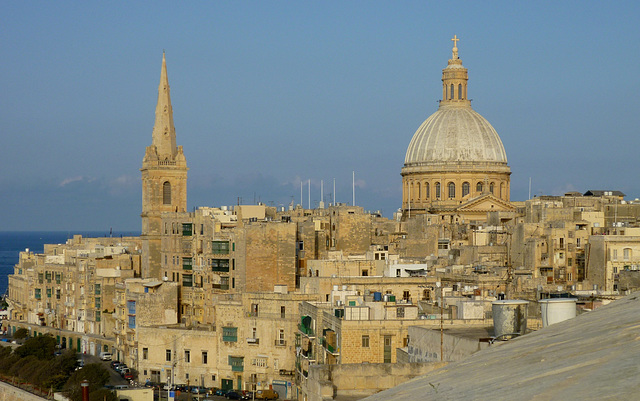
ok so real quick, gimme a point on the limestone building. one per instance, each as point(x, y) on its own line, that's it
point(164, 179)
point(455, 165)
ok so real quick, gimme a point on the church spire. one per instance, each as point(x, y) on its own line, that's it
point(454, 80)
point(164, 132)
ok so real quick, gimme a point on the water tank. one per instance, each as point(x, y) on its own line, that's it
point(377, 296)
point(386, 297)
point(392, 298)
point(557, 310)
point(509, 317)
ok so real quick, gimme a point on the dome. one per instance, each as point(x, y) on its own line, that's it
point(455, 134)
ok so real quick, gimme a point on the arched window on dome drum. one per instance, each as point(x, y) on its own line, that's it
point(491, 187)
point(479, 187)
point(465, 188)
point(166, 193)
point(419, 191)
point(451, 93)
point(501, 189)
point(437, 190)
point(459, 91)
point(452, 190)
point(426, 190)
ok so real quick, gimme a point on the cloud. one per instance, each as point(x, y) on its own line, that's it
point(70, 180)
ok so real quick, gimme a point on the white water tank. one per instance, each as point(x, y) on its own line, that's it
point(509, 317)
point(556, 310)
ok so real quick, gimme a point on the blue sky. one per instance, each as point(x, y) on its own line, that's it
point(266, 94)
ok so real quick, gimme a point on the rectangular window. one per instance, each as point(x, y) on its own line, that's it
point(47, 275)
point(406, 295)
point(187, 280)
point(205, 357)
point(98, 316)
point(132, 322)
point(40, 278)
point(187, 263)
point(237, 363)
point(230, 334)
point(615, 254)
point(145, 353)
point(98, 303)
point(220, 247)
point(97, 289)
point(283, 312)
point(365, 341)
point(400, 312)
point(220, 265)
point(58, 278)
point(187, 356)
point(131, 307)
point(626, 253)
point(167, 355)
point(48, 292)
point(58, 293)
point(254, 310)
point(187, 229)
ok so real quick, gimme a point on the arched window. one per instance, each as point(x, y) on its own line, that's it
point(459, 91)
point(166, 193)
point(426, 190)
point(419, 190)
point(452, 190)
point(501, 189)
point(626, 253)
point(491, 187)
point(465, 188)
point(437, 190)
point(479, 187)
point(451, 93)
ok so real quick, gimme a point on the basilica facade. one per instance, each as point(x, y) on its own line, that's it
point(455, 165)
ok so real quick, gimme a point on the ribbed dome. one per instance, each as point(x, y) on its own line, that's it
point(455, 134)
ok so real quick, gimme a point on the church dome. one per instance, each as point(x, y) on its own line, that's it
point(455, 134)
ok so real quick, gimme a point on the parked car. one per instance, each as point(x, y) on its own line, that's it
point(267, 395)
point(198, 390)
point(105, 356)
point(114, 364)
point(234, 395)
point(248, 395)
point(221, 392)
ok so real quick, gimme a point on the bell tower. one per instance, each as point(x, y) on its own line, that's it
point(164, 179)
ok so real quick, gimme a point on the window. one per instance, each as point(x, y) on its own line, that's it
point(615, 269)
point(187, 229)
point(187, 356)
point(96, 287)
point(167, 355)
point(365, 341)
point(491, 187)
point(132, 322)
point(145, 353)
point(187, 263)
point(166, 193)
point(254, 310)
point(465, 188)
point(400, 312)
point(131, 307)
point(570, 277)
point(187, 280)
point(230, 334)
point(283, 312)
point(48, 292)
point(451, 93)
point(40, 278)
point(615, 254)
point(406, 295)
point(220, 265)
point(561, 243)
point(205, 357)
point(578, 242)
point(98, 316)
point(437, 190)
point(459, 91)
point(426, 190)
point(626, 253)
point(220, 247)
point(57, 293)
point(98, 303)
point(452, 190)
point(38, 293)
point(237, 363)
point(479, 187)
point(58, 278)
point(419, 190)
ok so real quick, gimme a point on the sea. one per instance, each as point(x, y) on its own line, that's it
point(14, 242)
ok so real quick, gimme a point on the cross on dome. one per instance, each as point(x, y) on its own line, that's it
point(455, 46)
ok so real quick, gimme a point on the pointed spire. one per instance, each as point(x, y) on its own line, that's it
point(164, 132)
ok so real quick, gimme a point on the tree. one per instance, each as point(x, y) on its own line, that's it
point(20, 333)
point(42, 347)
point(94, 373)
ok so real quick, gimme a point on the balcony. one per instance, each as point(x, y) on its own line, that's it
point(220, 269)
point(220, 286)
point(308, 331)
point(253, 341)
point(280, 343)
